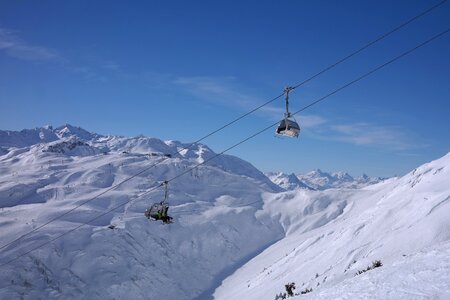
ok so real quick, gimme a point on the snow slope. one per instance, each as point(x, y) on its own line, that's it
point(422, 275)
point(332, 234)
point(236, 234)
point(214, 207)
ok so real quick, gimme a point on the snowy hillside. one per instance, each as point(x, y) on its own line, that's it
point(333, 234)
point(236, 234)
point(214, 229)
point(422, 275)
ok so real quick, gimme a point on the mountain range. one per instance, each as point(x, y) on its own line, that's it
point(73, 227)
point(320, 180)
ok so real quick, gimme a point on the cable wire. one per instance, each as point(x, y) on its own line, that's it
point(231, 122)
point(239, 143)
point(371, 43)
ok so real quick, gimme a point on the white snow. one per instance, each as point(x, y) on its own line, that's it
point(319, 180)
point(335, 233)
point(236, 234)
point(421, 275)
point(287, 181)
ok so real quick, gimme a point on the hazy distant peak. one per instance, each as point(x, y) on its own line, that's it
point(45, 134)
point(364, 176)
point(70, 130)
point(318, 172)
point(26, 137)
point(344, 176)
point(320, 180)
point(287, 181)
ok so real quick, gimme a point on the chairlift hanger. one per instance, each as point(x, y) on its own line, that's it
point(158, 211)
point(288, 126)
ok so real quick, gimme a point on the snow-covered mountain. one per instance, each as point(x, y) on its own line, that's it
point(29, 137)
point(26, 137)
point(236, 234)
point(287, 181)
point(319, 180)
point(214, 207)
point(322, 180)
point(331, 235)
point(68, 130)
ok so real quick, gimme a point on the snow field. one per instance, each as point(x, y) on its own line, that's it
point(236, 234)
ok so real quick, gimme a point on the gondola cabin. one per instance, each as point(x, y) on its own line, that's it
point(288, 127)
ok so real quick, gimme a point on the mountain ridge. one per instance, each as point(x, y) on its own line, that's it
point(45, 134)
point(333, 234)
point(320, 180)
point(236, 234)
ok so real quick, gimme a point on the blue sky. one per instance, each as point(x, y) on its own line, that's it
point(180, 69)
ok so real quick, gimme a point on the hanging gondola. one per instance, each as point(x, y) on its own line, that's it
point(288, 126)
point(158, 211)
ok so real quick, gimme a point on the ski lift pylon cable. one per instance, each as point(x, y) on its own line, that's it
point(158, 211)
point(286, 92)
point(166, 192)
point(381, 37)
point(233, 121)
point(288, 126)
point(235, 145)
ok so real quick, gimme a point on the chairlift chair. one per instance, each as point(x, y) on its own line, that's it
point(288, 126)
point(158, 211)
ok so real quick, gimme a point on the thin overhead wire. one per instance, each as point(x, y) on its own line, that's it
point(381, 37)
point(199, 210)
point(371, 43)
point(237, 144)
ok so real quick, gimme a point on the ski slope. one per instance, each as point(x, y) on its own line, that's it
point(422, 275)
point(236, 234)
point(214, 229)
point(332, 234)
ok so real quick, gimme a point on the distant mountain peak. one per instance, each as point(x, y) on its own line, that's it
point(364, 176)
point(70, 130)
point(321, 180)
point(343, 176)
point(318, 179)
point(45, 134)
point(319, 172)
point(26, 137)
point(287, 181)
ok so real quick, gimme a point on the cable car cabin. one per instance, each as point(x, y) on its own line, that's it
point(158, 211)
point(288, 127)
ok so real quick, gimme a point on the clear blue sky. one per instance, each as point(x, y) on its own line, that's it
point(180, 69)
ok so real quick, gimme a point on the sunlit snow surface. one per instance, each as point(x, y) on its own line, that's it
point(332, 234)
point(236, 235)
